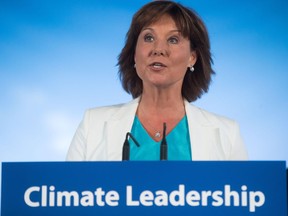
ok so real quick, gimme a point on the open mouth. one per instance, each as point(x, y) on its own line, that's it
point(157, 65)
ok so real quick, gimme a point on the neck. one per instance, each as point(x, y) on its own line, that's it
point(161, 101)
point(161, 109)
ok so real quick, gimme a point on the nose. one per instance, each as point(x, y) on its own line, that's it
point(160, 49)
point(158, 52)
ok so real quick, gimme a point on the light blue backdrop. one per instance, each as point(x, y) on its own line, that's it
point(58, 58)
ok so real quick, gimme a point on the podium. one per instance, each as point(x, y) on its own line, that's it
point(144, 188)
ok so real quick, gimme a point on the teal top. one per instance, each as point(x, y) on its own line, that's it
point(178, 142)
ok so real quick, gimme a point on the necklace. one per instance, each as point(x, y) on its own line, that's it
point(157, 133)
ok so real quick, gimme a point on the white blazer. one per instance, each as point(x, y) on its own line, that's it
point(101, 134)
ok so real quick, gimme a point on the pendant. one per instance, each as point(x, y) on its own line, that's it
point(158, 134)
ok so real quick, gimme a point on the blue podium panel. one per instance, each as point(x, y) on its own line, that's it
point(144, 188)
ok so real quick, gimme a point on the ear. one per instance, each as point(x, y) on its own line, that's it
point(193, 58)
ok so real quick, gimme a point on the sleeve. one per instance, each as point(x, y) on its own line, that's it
point(238, 149)
point(78, 146)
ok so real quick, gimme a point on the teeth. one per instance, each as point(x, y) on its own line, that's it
point(157, 65)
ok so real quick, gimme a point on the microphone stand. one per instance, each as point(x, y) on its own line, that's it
point(164, 146)
point(126, 147)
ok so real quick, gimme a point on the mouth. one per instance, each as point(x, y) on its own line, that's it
point(157, 65)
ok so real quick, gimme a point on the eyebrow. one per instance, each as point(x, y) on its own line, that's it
point(151, 29)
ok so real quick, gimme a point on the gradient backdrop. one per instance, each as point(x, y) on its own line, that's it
point(58, 58)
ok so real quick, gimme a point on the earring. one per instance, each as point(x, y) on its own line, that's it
point(135, 65)
point(191, 68)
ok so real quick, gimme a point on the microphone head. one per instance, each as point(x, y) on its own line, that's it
point(126, 149)
point(134, 140)
point(163, 146)
point(164, 130)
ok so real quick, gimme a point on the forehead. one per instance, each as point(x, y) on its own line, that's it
point(163, 20)
point(166, 21)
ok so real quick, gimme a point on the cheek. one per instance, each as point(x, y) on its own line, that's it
point(182, 59)
point(138, 59)
point(141, 52)
point(138, 52)
point(181, 54)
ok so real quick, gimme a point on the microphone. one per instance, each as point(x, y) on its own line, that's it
point(126, 147)
point(163, 147)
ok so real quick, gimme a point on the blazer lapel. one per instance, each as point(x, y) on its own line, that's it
point(204, 136)
point(117, 127)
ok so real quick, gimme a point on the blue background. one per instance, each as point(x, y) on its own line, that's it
point(58, 58)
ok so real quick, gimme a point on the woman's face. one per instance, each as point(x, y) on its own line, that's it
point(162, 55)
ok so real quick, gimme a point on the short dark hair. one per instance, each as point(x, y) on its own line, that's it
point(191, 26)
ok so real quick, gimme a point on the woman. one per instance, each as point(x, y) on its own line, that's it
point(164, 65)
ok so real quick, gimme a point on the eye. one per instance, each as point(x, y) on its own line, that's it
point(148, 38)
point(173, 40)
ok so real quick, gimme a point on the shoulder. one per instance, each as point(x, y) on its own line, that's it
point(108, 112)
point(221, 134)
point(209, 118)
point(202, 118)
